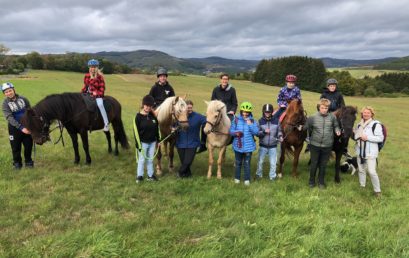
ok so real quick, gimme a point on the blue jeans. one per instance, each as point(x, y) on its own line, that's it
point(272, 156)
point(148, 150)
point(243, 159)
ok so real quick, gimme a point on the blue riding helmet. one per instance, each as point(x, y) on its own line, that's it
point(7, 85)
point(93, 62)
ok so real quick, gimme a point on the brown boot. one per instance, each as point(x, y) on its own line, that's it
point(378, 194)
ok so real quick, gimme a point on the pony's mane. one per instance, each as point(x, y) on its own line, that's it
point(345, 110)
point(294, 109)
point(57, 104)
point(216, 106)
point(166, 108)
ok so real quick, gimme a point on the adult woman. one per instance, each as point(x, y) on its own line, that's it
point(94, 84)
point(187, 141)
point(14, 106)
point(367, 135)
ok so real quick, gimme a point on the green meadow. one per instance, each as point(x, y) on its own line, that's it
point(361, 72)
point(59, 209)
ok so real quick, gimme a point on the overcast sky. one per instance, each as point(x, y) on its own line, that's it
point(251, 29)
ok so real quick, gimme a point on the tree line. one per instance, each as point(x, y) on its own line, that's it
point(312, 75)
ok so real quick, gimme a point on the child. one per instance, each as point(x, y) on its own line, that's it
point(146, 132)
point(269, 134)
point(287, 93)
point(321, 127)
point(331, 93)
point(243, 129)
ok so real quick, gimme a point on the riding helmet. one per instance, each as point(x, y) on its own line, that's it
point(291, 78)
point(148, 101)
point(161, 71)
point(7, 85)
point(93, 62)
point(268, 108)
point(332, 81)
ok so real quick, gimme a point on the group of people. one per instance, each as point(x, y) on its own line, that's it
point(320, 128)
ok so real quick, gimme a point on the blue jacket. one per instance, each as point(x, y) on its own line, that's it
point(248, 131)
point(269, 140)
point(191, 137)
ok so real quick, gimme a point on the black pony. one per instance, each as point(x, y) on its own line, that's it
point(346, 118)
point(70, 109)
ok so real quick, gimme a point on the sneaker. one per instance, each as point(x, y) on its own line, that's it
point(312, 185)
point(30, 164)
point(237, 181)
point(152, 178)
point(246, 182)
point(322, 186)
point(272, 179)
point(202, 148)
point(106, 128)
point(139, 179)
point(258, 177)
point(17, 166)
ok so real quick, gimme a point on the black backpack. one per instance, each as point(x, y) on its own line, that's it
point(384, 132)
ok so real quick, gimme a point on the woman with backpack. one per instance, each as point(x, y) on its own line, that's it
point(368, 134)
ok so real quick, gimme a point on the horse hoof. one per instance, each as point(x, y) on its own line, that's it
point(338, 181)
point(76, 162)
point(219, 177)
point(109, 150)
point(116, 153)
point(280, 175)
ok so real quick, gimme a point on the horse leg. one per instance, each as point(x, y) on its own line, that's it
point(220, 162)
point(84, 138)
point(282, 159)
point(108, 136)
point(171, 155)
point(159, 164)
point(116, 139)
point(338, 155)
point(74, 139)
point(211, 160)
point(297, 152)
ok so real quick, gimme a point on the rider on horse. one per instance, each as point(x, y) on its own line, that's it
point(287, 93)
point(94, 84)
point(331, 93)
point(161, 90)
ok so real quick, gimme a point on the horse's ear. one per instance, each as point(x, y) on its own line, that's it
point(176, 100)
point(207, 102)
point(184, 96)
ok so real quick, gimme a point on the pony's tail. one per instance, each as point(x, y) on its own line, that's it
point(120, 133)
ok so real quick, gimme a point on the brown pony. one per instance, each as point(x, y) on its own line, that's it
point(293, 135)
point(172, 112)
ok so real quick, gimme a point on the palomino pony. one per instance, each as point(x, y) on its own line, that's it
point(70, 109)
point(293, 136)
point(346, 117)
point(217, 130)
point(171, 113)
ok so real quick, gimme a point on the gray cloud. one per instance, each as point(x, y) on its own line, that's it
point(186, 28)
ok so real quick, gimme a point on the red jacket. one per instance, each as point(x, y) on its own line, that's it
point(96, 85)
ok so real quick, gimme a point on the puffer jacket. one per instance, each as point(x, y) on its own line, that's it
point(244, 143)
point(321, 129)
point(269, 140)
point(369, 148)
point(286, 94)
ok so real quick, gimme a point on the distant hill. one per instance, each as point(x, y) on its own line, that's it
point(397, 64)
point(334, 62)
point(151, 59)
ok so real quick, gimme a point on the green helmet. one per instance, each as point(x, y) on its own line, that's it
point(246, 106)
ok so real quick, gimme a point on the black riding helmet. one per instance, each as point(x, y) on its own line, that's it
point(148, 101)
point(162, 71)
point(267, 108)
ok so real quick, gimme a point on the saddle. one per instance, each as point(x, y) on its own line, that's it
point(91, 103)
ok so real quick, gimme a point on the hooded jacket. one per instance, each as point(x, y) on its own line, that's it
point(161, 92)
point(336, 98)
point(227, 96)
point(269, 140)
point(244, 143)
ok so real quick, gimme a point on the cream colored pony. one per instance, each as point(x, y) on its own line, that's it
point(217, 130)
point(172, 112)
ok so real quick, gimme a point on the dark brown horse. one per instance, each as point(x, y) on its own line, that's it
point(346, 118)
point(70, 109)
point(293, 134)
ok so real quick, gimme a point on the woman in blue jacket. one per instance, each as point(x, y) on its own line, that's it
point(243, 129)
point(187, 141)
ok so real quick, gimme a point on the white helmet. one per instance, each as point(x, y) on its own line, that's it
point(7, 85)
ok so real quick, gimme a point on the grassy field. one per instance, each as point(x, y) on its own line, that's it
point(62, 210)
point(360, 73)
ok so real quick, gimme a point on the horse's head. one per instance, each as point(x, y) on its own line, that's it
point(179, 112)
point(295, 114)
point(37, 125)
point(216, 111)
point(346, 117)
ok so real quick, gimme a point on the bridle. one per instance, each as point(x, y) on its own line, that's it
point(216, 123)
point(175, 117)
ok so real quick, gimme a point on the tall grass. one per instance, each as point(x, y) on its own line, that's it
point(62, 210)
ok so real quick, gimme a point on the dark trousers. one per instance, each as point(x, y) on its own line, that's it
point(17, 138)
point(319, 159)
point(186, 155)
point(243, 160)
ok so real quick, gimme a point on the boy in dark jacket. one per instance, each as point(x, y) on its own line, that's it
point(161, 90)
point(321, 128)
point(331, 93)
point(269, 134)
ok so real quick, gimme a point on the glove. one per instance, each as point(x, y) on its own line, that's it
point(238, 134)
